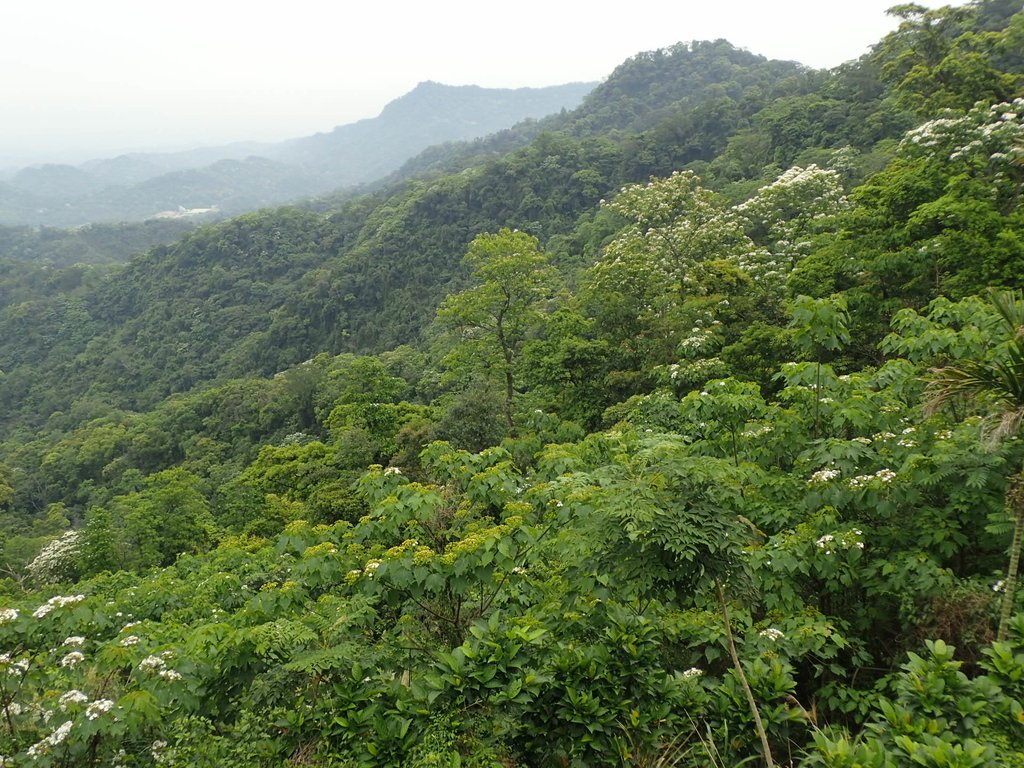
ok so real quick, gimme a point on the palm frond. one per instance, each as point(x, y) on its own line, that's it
point(965, 379)
point(1011, 309)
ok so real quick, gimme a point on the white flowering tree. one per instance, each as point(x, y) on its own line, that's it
point(661, 283)
point(675, 229)
point(784, 217)
point(944, 216)
point(58, 560)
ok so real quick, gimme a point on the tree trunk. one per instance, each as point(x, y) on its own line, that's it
point(1014, 504)
point(758, 724)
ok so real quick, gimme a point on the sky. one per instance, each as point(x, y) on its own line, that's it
point(96, 78)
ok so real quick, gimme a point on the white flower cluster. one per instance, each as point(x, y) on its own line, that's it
point(693, 672)
point(882, 476)
point(98, 707)
point(771, 633)
point(833, 542)
point(55, 738)
point(157, 749)
point(823, 476)
point(75, 641)
point(130, 640)
point(57, 601)
point(152, 664)
point(73, 659)
point(73, 696)
point(986, 136)
point(21, 665)
point(8, 614)
point(158, 664)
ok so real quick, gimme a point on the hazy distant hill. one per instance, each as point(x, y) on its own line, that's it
point(240, 177)
point(430, 114)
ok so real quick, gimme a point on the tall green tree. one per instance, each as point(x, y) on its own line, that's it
point(492, 320)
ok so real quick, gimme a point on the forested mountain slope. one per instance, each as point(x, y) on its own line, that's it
point(719, 467)
point(366, 278)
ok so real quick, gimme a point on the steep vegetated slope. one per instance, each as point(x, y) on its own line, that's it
point(371, 275)
point(719, 467)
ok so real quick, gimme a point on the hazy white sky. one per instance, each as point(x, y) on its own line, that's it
point(84, 78)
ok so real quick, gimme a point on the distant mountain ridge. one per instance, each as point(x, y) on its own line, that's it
point(244, 176)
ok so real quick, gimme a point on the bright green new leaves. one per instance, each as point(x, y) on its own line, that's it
point(820, 325)
point(491, 321)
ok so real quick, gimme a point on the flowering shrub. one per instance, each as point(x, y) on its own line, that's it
point(58, 559)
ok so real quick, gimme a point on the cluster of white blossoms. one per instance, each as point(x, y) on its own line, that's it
point(800, 202)
point(74, 641)
point(130, 640)
point(830, 542)
point(700, 339)
point(73, 659)
point(823, 476)
point(55, 738)
point(73, 696)
point(988, 137)
point(8, 614)
point(56, 560)
point(14, 667)
point(57, 601)
point(98, 707)
point(158, 750)
point(881, 476)
point(907, 442)
point(771, 633)
point(152, 664)
point(158, 664)
point(693, 672)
